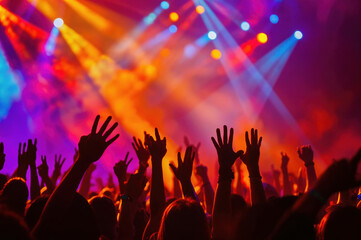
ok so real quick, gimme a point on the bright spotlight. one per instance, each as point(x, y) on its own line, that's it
point(262, 37)
point(173, 16)
point(274, 19)
point(216, 54)
point(298, 35)
point(200, 9)
point(58, 22)
point(173, 28)
point(212, 35)
point(245, 26)
point(164, 5)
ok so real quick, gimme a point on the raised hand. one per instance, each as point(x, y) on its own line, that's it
point(58, 164)
point(202, 172)
point(135, 186)
point(2, 155)
point(43, 169)
point(251, 157)
point(284, 160)
point(157, 148)
point(195, 149)
point(306, 154)
point(226, 155)
point(26, 157)
point(92, 146)
point(184, 171)
point(31, 151)
point(142, 153)
point(120, 168)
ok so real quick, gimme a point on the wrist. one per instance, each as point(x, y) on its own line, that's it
point(225, 174)
point(309, 164)
point(253, 171)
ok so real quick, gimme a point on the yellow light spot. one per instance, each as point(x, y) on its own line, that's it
point(262, 37)
point(173, 16)
point(200, 9)
point(216, 54)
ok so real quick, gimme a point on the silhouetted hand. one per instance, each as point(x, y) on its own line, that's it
point(276, 173)
point(142, 152)
point(202, 171)
point(26, 157)
point(284, 160)
point(92, 146)
point(58, 164)
point(31, 151)
point(251, 157)
point(76, 155)
point(226, 155)
point(135, 185)
point(120, 168)
point(157, 147)
point(195, 149)
point(43, 169)
point(184, 171)
point(2, 155)
point(306, 154)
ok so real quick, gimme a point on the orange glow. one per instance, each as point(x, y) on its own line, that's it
point(200, 9)
point(262, 37)
point(173, 16)
point(216, 54)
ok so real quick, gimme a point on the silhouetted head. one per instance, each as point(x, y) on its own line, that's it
point(34, 211)
point(340, 223)
point(13, 227)
point(238, 204)
point(14, 195)
point(105, 214)
point(184, 219)
point(3, 180)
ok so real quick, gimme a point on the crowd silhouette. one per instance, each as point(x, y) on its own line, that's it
point(302, 207)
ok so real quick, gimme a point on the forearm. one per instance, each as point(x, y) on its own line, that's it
point(258, 195)
point(221, 210)
point(85, 184)
point(125, 220)
point(209, 194)
point(121, 186)
point(157, 194)
point(34, 183)
point(287, 188)
point(311, 177)
point(188, 190)
point(177, 188)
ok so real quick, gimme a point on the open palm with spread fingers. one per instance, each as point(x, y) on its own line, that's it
point(120, 168)
point(251, 157)
point(92, 146)
point(184, 170)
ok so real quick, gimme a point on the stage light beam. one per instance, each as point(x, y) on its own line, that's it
point(298, 35)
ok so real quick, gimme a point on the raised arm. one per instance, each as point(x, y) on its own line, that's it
point(86, 181)
point(184, 173)
point(306, 155)
point(23, 163)
point(222, 204)
point(120, 171)
point(91, 148)
point(202, 172)
point(251, 159)
point(287, 188)
point(43, 170)
point(31, 159)
point(2, 155)
point(157, 149)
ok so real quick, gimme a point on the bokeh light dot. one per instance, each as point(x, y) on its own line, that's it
point(262, 37)
point(216, 54)
point(212, 35)
point(164, 5)
point(58, 22)
point(298, 35)
point(173, 16)
point(173, 29)
point(200, 9)
point(274, 19)
point(245, 26)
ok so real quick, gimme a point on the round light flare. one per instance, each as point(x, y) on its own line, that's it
point(212, 35)
point(58, 22)
point(245, 26)
point(216, 54)
point(200, 9)
point(298, 35)
point(173, 28)
point(274, 19)
point(164, 5)
point(173, 16)
point(262, 38)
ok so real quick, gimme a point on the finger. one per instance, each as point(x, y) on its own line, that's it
point(219, 138)
point(35, 142)
point(260, 142)
point(215, 144)
point(247, 139)
point(30, 143)
point(1, 147)
point(252, 136)
point(135, 143)
point(140, 143)
point(157, 137)
point(105, 125)
point(112, 140)
point(126, 156)
point(135, 149)
point(24, 147)
point(225, 135)
point(19, 152)
point(187, 156)
point(231, 132)
point(240, 154)
point(107, 133)
point(179, 159)
point(95, 125)
point(174, 169)
point(61, 164)
point(256, 135)
point(130, 160)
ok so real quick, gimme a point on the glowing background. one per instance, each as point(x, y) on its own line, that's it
point(122, 58)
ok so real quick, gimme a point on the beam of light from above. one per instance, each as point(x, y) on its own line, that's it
point(9, 90)
point(58, 22)
point(51, 42)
